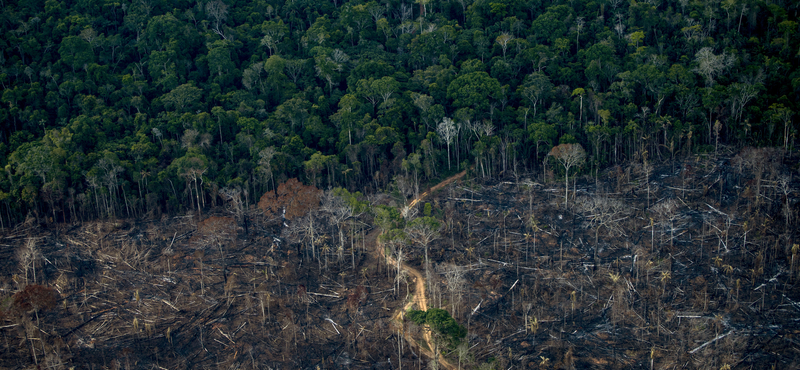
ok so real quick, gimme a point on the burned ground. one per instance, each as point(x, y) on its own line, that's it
point(697, 268)
point(690, 264)
point(136, 295)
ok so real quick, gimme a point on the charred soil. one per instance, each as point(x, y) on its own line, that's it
point(692, 264)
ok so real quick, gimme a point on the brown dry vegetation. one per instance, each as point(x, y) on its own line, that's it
point(685, 265)
point(176, 293)
point(694, 268)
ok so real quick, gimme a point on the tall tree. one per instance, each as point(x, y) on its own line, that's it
point(709, 65)
point(424, 230)
point(183, 97)
point(447, 131)
point(568, 155)
point(218, 12)
point(472, 90)
point(535, 88)
point(273, 35)
point(779, 113)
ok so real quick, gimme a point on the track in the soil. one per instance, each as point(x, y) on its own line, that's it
point(420, 294)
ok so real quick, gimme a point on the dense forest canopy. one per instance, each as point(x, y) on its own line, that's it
point(134, 108)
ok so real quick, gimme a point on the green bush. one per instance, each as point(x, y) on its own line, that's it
point(440, 322)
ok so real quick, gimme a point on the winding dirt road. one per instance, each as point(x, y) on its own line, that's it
point(420, 295)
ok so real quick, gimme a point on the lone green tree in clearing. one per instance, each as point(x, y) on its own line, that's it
point(445, 329)
point(440, 322)
point(569, 155)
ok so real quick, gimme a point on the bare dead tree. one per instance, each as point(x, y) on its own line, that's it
point(424, 230)
point(218, 11)
point(199, 254)
point(786, 189)
point(215, 233)
point(666, 212)
point(337, 211)
point(605, 212)
point(192, 173)
point(454, 276)
point(447, 130)
point(569, 155)
point(406, 185)
point(28, 256)
point(233, 197)
point(264, 168)
point(761, 162)
point(397, 241)
point(307, 229)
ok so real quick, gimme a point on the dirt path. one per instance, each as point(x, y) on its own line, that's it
point(436, 187)
point(420, 295)
point(421, 301)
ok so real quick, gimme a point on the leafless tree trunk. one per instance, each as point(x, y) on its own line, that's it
point(29, 256)
point(568, 155)
point(218, 11)
point(455, 285)
point(199, 254)
point(667, 213)
point(603, 212)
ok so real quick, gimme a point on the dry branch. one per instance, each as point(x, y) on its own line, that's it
point(718, 337)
